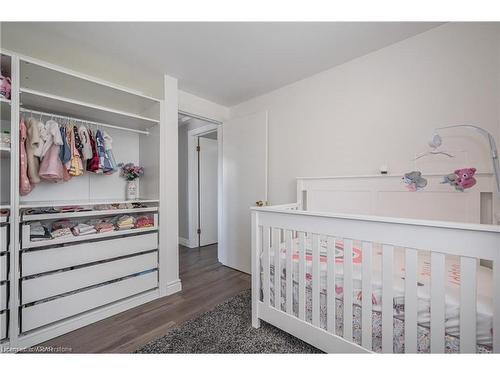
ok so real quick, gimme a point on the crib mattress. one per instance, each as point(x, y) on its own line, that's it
point(452, 296)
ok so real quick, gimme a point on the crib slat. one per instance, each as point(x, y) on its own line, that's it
point(496, 305)
point(468, 304)
point(277, 267)
point(411, 262)
point(330, 285)
point(315, 280)
point(437, 302)
point(387, 298)
point(302, 275)
point(366, 298)
point(348, 289)
point(266, 233)
point(289, 270)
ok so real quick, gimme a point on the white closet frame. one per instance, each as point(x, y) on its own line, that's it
point(17, 340)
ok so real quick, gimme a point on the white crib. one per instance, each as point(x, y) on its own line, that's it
point(304, 243)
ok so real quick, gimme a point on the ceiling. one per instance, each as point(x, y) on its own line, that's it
point(229, 63)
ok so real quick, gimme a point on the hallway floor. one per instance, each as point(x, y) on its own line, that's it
point(205, 284)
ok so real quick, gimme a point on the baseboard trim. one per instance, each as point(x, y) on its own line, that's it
point(174, 287)
point(186, 242)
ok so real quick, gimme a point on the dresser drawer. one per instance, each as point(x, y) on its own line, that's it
point(3, 238)
point(4, 261)
point(3, 325)
point(58, 309)
point(3, 296)
point(51, 285)
point(40, 261)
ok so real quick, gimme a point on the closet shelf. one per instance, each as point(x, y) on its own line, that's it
point(58, 241)
point(45, 102)
point(82, 202)
point(91, 213)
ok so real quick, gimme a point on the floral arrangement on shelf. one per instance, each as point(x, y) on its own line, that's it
point(130, 172)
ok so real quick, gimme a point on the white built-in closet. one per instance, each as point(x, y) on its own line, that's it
point(52, 286)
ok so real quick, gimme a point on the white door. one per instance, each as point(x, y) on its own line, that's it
point(208, 190)
point(244, 182)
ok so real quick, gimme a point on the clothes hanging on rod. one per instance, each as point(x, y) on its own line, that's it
point(57, 152)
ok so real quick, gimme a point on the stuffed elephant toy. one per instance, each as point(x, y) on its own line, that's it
point(414, 181)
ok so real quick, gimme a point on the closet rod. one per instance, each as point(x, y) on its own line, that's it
point(26, 110)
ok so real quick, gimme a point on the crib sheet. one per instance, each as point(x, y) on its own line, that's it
point(452, 295)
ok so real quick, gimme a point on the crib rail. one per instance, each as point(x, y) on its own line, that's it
point(296, 302)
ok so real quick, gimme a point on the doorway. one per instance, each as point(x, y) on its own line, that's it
point(207, 181)
point(199, 181)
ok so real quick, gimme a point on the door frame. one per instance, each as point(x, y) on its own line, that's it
point(192, 240)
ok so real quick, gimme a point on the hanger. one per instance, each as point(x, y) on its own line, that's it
point(434, 152)
point(434, 144)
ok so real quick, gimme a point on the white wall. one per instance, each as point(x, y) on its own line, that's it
point(381, 108)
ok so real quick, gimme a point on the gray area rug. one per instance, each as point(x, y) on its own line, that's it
point(227, 329)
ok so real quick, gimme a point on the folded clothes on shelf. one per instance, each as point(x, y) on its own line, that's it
point(138, 205)
point(40, 210)
point(144, 221)
point(54, 210)
point(124, 206)
point(114, 206)
point(38, 232)
point(82, 229)
point(64, 223)
point(67, 227)
point(61, 233)
point(73, 209)
point(104, 226)
point(125, 222)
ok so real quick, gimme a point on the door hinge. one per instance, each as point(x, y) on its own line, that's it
point(198, 231)
point(198, 148)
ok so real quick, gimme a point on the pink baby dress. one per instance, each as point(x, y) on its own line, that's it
point(51, 168)
point(24, 182)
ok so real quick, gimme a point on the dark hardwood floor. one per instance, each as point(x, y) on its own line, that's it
point(205, 284)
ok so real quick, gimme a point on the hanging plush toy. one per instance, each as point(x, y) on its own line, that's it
point(461, 179)
point(414, 181)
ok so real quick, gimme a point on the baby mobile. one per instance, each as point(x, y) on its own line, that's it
point(460, 179)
